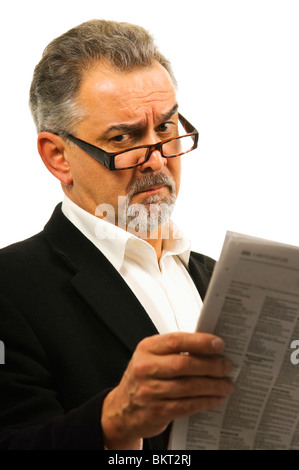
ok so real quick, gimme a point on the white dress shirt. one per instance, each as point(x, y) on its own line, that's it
point(165, 289)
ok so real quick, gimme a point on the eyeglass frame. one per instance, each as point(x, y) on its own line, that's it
point(108, 158)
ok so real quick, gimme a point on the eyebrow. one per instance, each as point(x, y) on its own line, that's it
point(126, 128)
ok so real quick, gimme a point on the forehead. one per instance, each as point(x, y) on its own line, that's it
point(109, 95)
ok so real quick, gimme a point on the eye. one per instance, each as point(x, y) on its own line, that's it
point(120, 138)
point(167, 128)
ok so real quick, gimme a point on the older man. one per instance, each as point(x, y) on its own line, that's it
point(97, 311)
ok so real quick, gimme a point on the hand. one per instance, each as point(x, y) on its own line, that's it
point(169, 376)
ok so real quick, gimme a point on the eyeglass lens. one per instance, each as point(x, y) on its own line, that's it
point(174, 148)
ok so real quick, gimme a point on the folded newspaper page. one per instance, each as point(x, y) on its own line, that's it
point(252, 303)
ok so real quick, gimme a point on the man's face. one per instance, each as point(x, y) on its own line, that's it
point(122, 110)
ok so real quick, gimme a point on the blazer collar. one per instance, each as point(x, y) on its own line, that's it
point(98, 282)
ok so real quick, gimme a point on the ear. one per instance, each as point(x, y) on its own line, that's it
point(52, 149)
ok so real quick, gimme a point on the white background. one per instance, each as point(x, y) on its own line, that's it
point(237, 64)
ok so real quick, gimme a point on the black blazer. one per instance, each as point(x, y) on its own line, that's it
point(70, 324)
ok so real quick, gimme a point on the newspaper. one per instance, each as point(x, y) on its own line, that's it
point(252, 303)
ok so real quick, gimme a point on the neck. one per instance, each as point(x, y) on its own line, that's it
point(155, 239)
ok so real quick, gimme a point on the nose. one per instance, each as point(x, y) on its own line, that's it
point(155, 161)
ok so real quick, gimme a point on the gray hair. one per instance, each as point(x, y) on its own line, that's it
point(58, 75)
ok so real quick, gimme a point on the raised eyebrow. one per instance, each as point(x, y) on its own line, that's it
point(121, 128)
point(168, 115)
point(131, 128)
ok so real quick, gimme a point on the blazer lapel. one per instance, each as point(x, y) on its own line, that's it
point(113, 301)
point(98, 282)
point(200, 269)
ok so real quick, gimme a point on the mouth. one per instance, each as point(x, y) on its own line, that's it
point(151, 190)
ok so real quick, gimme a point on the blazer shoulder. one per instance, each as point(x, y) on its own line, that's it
point(23, 249)
point(34, 251)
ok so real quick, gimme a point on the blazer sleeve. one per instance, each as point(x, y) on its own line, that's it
point(28, 396)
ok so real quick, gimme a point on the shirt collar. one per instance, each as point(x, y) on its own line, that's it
point(112, 240)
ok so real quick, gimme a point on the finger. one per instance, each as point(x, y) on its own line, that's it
point(179, 365)
point(190, 406)
point(182, 388)
point(147, 365)
point(192, 343)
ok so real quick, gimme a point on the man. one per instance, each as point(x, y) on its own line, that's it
point(97, 315)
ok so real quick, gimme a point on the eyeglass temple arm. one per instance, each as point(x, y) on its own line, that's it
point(97, 153)
point(186, 124)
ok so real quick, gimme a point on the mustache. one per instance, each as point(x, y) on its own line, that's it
point(149, 181)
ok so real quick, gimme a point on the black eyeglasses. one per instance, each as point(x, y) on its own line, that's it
point(133, 157)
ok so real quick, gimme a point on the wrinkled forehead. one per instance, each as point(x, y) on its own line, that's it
point(114, 94)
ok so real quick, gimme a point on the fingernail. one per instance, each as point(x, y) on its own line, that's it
point(217, 344)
